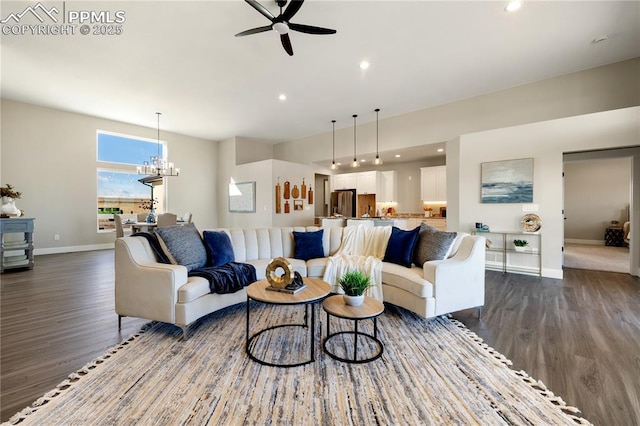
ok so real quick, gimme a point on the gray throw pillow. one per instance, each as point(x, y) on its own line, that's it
point(432, 244)
point(183, 245)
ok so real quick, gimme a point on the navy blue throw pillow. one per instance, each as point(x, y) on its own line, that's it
point(219, 248)
point(308, 245)
point(400, 246)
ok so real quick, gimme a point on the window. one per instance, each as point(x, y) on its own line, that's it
point(118, 188)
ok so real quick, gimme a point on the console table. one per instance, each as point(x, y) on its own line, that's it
point(502, 255)
point(16, 251)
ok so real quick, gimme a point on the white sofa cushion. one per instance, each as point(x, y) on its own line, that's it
point(316, 267)
point(408, 279)
point(299, 266)
point(194, 288)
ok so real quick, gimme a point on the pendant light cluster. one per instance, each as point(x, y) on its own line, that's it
point(377, 161)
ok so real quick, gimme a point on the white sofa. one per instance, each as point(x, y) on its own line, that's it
point(148, 289)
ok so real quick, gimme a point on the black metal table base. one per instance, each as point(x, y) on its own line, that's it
point(355, 334)
point(250, 340)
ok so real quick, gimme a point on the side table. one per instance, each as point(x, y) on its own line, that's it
point(16, 253)
point(613, 236)
point(370, 309)
point(316, 290)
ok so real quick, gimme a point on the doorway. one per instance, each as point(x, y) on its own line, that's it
point(597, 213)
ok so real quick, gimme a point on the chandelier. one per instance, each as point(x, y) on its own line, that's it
point(159, 166)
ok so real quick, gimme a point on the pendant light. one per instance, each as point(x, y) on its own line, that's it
point(355, 159)
point(334, 166)
point(377, 161)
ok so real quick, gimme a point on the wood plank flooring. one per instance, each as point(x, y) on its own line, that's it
point(580, 335)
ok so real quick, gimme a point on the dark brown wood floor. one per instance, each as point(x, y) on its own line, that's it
point(580, 336)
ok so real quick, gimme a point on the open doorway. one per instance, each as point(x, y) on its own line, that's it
point(597, 200)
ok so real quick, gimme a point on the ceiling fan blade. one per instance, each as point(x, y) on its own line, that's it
point(254, 31)
point(286, 43)
point(292, 9)
point(260, 8)
point(309, 29)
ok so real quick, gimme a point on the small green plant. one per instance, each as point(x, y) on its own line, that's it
point(520, 243)
point(355, 283)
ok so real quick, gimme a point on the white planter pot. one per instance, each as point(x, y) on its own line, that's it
point(9, 206)
point(520, 248)
point(353, 300)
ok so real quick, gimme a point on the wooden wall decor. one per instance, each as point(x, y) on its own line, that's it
point(287, 190)
point(295, 192)
point(310, 195)
point(287, 207)
point(278, 197)
point(303, 190)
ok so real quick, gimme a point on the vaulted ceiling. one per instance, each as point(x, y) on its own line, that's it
point(181, 58)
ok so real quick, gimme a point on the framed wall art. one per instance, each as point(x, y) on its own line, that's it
point(507, 181)
point(242, 197)
point(297, 205)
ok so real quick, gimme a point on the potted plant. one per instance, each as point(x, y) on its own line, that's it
point(9, 195)
point(354, 284)
point(520, 244)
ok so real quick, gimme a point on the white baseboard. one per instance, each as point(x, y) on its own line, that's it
point(590, 242)
point(72, 249)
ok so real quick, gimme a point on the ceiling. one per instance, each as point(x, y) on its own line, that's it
point(181, 58)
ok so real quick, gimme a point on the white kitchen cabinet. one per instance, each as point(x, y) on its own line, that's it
point(367, 182)
point(343, 181)
point(387, 187)
point(434, 184)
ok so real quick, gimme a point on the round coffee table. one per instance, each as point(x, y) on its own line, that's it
point(316, 290)
point(370, 309)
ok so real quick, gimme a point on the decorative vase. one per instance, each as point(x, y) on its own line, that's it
point(9, 206)
point(151, 217)
point(353, 300)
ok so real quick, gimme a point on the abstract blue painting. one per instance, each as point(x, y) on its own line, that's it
point(508, 181)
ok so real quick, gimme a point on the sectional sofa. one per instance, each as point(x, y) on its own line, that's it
point(146, 288)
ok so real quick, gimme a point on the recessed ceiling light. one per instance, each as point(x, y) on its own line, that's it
point(440, 149)
point(398, 155)
point(282, 97)
point(339, 164)
point(513, 6)
point(364, 65)
point(363, 161)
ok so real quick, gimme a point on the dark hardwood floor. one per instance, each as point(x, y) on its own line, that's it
point(580, 335)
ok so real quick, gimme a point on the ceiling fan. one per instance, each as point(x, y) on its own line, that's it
point(281, 24)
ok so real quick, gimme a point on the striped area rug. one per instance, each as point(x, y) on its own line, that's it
point(431, 373)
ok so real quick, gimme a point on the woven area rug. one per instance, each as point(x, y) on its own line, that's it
point(432, 372)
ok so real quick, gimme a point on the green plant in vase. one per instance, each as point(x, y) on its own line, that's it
point(354, 284)
point(520, 244)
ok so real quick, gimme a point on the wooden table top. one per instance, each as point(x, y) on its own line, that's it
point(336, 306)
point(316, 290)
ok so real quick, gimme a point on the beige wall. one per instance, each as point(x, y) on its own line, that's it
point(599, 89)
point(50, 156)
point(596, 192)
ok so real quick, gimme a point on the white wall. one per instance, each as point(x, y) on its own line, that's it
point(50, 156)
point(596, 192)
point(545, 142)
